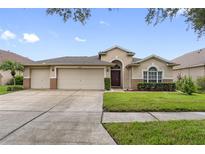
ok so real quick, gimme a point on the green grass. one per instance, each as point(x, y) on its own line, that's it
point(157, 133)
point(3, 89)
point(153, 101)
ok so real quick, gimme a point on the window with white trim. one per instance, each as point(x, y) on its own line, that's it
point(152, 75)
point(160, 76)
point(145, 76)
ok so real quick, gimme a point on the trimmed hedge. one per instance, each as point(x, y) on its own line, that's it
point(107, 82)
point(144, 86)
point(14, 88)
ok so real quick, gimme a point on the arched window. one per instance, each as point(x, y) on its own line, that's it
point(152, 75)
point(152, 69)
point(116, 67)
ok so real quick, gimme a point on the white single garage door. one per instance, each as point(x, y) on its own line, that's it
point(40, 79)
point(81, 79)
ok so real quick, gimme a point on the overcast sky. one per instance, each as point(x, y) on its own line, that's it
point(31, 33)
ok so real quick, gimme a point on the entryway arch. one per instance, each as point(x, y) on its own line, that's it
point(116, 74)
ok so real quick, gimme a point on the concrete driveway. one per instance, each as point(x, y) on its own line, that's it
point(52, 117)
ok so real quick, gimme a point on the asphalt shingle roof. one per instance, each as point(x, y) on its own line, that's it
point(7, 55)
point(136, 60)
point(191, 59)
point(94, 60)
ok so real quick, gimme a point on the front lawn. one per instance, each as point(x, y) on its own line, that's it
point(153, 101)
point(3, 90)
point(157, 133)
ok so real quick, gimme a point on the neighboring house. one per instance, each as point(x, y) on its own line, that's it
point(116, 63)
point(191, 64)
point(5, 76)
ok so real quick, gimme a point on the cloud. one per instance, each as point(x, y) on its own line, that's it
point(8, 35)
point(104, 23)
point(78, 39)
point(30, 38)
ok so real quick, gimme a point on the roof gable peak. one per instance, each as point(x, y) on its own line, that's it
point(155, 56)
point(116, 47)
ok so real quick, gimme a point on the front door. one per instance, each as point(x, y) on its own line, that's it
point(115, 77)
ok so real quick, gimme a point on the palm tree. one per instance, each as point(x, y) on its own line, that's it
point(13, 67)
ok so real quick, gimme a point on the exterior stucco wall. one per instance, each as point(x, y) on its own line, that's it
point(53, 72)
point(118, 54)
point(107, 72)
point(194, 72)
point(137, 71)
point(5, 77)
point(26, 73)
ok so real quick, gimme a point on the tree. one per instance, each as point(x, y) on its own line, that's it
point(195, 17)
point(78, 15)
point(13, 67)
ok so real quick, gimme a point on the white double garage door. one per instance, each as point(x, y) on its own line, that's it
point(86, 78)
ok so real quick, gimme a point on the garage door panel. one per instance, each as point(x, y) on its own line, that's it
point(40, 79)
point(81, 79)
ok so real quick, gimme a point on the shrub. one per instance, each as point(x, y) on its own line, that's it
point(144, 86)
point(19, 80)
point(186, 85)
point(201, 84)
point(14, 88)
point(179, 84)
point(107, 83)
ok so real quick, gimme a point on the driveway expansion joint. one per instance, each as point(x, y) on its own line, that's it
point(13, 131)
point(153, 116)
point(63, 118)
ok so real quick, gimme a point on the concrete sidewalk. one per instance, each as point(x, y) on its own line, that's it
point(109, 117)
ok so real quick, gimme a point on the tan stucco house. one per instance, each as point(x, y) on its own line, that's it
point(191, 64)
point(116, 63)
point(5, 76)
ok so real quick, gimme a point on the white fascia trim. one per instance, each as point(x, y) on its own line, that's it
point(53, 78)
point(154, 56)
point(119, 47)
point(26, 77)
